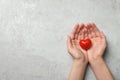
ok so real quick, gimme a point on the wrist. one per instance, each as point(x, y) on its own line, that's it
point(94, 59)
point(80, 62)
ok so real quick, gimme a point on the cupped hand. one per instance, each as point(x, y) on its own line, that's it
point(79, 32)
point(98, 41)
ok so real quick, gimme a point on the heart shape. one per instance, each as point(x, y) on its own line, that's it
point(85, 44)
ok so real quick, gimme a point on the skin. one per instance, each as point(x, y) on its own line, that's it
point(93, 56)
point(79, 55)
point(96, 52)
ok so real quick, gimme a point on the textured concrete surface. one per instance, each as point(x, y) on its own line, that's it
point(33, 36)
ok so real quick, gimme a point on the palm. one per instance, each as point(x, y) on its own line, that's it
point(98, 46)
point(76, 52)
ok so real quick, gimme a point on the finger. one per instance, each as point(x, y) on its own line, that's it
point(102, 35)
point(89, 31)
point(86, 33)
point(69, 42)
point(83, 34)
point(92, 31)
point(97, 32)
point(75, 43)
point(81, 25)
point(74, 31)
point(80, 36)
point(95, 26)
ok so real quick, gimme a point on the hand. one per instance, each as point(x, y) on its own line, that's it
point(98, 41)
point(73, 46)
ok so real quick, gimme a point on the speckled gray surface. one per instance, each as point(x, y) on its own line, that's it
point(33, 36)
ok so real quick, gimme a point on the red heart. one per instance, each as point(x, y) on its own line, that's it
point(85, 44)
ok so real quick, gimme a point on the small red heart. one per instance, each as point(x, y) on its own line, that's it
point(85, 44)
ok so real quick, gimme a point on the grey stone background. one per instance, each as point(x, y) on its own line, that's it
point(33, 36)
